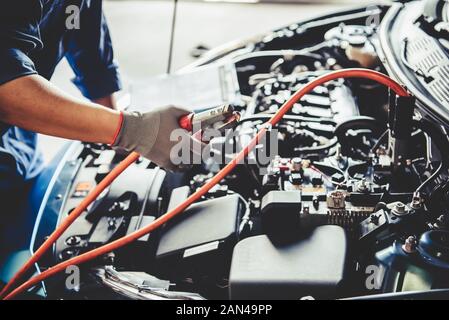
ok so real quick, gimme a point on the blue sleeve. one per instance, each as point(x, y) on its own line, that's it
point(19, 35)
point(90, 53)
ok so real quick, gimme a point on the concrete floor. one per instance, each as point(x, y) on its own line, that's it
point(141, 32)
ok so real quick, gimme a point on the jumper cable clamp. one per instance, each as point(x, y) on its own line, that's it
point(220, 119)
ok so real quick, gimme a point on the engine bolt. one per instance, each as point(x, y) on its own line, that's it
point(338, 155)
point(410, 245)
point(442, 222)
point(416, 201)
point(400, 209)
point(111, 223)
point(73, 240)
point(363, 186)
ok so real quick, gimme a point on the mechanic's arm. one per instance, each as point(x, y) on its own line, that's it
point(33, 103)
point(109, 101)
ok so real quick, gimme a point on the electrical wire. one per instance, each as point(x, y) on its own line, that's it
point(379, 141)
point(419, 72)
point(240, 157)
point(442, 143)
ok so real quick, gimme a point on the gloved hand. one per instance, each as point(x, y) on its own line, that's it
point(149, 135)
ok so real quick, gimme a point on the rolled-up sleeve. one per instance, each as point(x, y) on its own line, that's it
point(19, 35)
point(90, 54)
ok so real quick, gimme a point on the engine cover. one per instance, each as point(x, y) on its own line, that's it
point(314, 266)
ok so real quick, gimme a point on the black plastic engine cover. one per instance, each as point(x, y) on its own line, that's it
point(201, 239)
point(314, 266)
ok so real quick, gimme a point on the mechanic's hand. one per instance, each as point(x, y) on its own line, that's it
point(149, 135)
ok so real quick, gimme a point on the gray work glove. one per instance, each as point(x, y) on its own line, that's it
point(149, 135)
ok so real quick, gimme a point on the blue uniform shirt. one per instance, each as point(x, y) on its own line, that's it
point(34, 36)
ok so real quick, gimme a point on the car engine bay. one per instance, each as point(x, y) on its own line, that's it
point(353, 204)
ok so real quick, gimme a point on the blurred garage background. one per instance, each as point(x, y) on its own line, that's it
point(141, 33)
